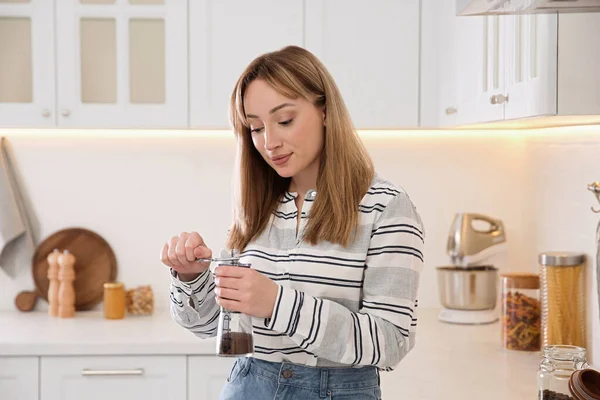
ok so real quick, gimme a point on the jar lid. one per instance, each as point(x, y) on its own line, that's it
point(521, 280)
point(584, 384)
point(561, 258)
point(113, 285)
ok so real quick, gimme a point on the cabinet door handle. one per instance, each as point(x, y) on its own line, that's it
point(65, 113)
point(502, 98)
point(451, 110)
point(111, 372)
point(46, 113)
point(498, 99)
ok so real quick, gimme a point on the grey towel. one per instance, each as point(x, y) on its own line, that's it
point(16, 239)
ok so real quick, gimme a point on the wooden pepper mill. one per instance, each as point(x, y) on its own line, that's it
point(66, 291)
point(54, 283)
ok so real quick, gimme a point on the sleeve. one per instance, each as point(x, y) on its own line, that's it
point(193, 304)
point(382, 332)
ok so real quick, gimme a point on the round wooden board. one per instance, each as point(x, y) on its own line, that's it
point(95, 264)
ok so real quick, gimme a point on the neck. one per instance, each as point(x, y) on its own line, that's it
point(305, 180)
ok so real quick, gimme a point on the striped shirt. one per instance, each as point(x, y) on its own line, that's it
point(336, 306)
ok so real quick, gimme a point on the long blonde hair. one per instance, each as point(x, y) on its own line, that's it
point(345, 170)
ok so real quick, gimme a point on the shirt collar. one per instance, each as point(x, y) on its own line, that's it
point(310, 195)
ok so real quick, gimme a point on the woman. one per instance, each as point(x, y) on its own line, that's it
point(336, 251)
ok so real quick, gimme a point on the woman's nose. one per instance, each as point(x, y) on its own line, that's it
point(272, 140)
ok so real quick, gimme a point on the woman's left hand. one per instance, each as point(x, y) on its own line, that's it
point(245, 290)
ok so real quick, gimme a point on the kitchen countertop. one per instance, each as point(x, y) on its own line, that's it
point(88, 333)
point(448, 362)
point(462, 362)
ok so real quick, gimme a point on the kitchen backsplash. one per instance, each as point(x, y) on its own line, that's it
point(137, 189)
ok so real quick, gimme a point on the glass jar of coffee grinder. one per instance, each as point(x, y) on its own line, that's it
point(234, 333)
point(555, 369)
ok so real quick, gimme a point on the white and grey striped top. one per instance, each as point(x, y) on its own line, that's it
point(336, 306)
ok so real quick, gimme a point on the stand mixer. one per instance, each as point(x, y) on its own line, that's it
point(468, 288)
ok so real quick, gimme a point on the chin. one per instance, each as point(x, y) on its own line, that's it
point(284, 172)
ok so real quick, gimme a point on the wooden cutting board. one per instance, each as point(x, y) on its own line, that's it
point(95, 264)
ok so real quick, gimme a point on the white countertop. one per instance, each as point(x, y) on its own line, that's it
point(448, 362)
point(88, 333)
point(455, 362)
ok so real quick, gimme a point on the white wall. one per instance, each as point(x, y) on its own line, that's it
point(562, 162)
point(137, 189)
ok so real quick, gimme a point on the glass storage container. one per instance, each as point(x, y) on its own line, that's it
point(557, 365)
point(520, 319)
point(114, 300)
point(562, 295)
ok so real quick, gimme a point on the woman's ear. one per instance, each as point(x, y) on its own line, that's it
point(324, 112)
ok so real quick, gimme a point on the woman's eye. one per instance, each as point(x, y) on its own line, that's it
point(256, 130)
point(287, 122)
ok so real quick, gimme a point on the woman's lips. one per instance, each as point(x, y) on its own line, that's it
point(281, 160)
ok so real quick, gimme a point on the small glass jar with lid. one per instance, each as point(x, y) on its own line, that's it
point(557, 365)
point(521, 313)
point(562, 297)
point(114, 300)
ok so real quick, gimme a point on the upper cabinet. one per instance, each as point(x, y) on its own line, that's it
point(372, 51)
point(370, 48)
point(398, 64)
point(502, 67)
point(515, 68)
point(122, 63)
point(579, 64)
point(531, 62)
point(225, 36)
point(27, 79)
point(174, 63)
point(480, 77)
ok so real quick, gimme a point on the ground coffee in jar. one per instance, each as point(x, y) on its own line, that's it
point(234, 344)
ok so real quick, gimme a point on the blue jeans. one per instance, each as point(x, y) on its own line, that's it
point(253, 379)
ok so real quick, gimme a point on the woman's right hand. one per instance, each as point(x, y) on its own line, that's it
point(181, 252)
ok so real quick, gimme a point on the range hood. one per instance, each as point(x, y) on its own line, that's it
point(513, 7)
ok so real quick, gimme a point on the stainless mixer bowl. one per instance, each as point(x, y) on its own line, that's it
point(468, 288)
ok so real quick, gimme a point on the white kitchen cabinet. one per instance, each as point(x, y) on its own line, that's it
point(479, 45)
point(505, 68)
point(466, 48)
point(225, 36)
point(19, 378)
point(122, 63)
point(579, 64)
point(439, 99)
point(207, 375)
point(530, 66)
point(113, 377)
point(372, 50)
point(27, 63)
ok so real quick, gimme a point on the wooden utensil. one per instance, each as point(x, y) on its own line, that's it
point(95, 264)
point(25, 301)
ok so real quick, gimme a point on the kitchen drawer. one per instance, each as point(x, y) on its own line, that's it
point(113, 378)
point(207, 376)
point(19, 378)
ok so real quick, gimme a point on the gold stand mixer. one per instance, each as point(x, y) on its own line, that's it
point(468, 288)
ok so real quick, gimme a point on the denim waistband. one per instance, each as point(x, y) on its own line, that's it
point(324, 379)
